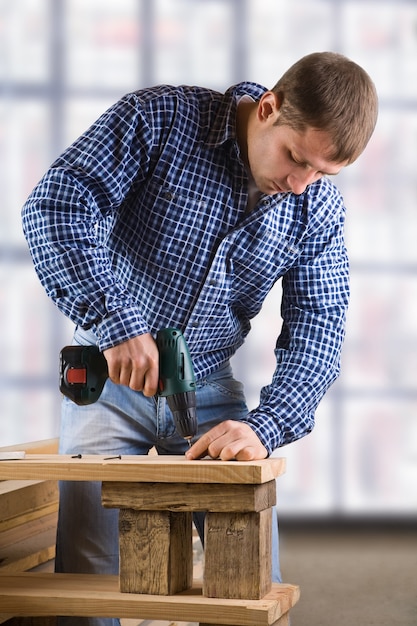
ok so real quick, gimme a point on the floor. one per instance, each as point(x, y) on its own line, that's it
point(357, 575)
point(352, 576)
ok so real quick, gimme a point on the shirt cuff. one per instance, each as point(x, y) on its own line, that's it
point(266, 428)
point(119, 327)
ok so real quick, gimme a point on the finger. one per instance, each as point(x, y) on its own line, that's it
point(250, 453)
point(119, 370)
point(136, 380)
point(150, 386)
point(196, 451)
point(238, 450)
point(211, 447)
point(212, 442)
point(114, 373)
point(126, 376)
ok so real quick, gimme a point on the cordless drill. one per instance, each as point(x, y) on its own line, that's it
point(83, 372)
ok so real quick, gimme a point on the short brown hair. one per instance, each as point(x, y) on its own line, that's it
point(329, 92)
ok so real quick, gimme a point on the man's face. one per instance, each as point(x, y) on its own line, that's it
point(283, 159)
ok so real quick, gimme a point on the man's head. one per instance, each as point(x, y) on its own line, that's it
point(326, 91)
point(316, 120)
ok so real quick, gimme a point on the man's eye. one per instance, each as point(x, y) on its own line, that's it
point(295, 160)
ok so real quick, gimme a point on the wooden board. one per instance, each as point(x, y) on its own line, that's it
point(188, 496)
point(24, 500)
point(44, 446)
point(28, 545)
point(164, 469)
point(66, 594)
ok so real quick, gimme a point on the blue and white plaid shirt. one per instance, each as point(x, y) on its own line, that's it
point(141, 224)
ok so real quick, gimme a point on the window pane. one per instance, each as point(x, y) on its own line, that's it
point(381, 194)
point(24, 154)
point(26, 313)
point(80, 113)
point(380, 451)
point(25, 29)
point(101, 41)
point(31, 415)
point(384, 38)
point(381, 345)
point(193, 42)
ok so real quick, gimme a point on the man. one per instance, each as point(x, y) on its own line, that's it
point(182, 207)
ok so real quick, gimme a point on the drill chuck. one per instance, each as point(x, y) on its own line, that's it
point(183, 409)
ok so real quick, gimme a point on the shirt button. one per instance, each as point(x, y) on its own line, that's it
point(195, 324)
point(212, 282)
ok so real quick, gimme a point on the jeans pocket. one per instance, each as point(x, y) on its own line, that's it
point(222, 382)
point(230, 388)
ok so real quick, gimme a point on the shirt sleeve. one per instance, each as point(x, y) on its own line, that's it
point(67, 216)
point(314, 304)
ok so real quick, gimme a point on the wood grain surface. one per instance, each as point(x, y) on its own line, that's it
point(164, 469)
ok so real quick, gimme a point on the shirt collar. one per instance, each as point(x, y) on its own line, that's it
point(223, 127)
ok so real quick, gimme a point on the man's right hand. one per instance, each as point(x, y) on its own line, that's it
point(135, 363)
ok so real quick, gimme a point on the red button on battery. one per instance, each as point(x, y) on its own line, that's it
point(77, 376)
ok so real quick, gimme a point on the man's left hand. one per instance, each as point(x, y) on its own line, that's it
point(229, 440)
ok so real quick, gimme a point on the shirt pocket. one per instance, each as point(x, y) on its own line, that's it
point(257, 269)
point(169, 231)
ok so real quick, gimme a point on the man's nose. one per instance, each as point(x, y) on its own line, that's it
point(299, 181)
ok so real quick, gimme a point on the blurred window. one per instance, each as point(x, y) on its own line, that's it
point(63, 63)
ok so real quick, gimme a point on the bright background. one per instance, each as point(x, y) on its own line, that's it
point(62, 62)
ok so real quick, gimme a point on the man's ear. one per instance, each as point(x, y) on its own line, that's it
point(269, 106)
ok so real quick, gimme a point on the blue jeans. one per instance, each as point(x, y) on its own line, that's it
point(126, 422)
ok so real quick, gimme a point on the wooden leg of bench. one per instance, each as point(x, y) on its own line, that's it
point(155, 551)
point(237, 561)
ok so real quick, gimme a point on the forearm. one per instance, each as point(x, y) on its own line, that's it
point(286, 411)
point(308, 362)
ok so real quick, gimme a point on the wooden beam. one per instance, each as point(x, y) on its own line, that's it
point(72, 594)
point(28, 545)
point(189, 496)
point(163, 469)
point(24, 500)
point(44, 446)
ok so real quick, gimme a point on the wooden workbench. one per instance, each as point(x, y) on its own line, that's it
point(156, 496)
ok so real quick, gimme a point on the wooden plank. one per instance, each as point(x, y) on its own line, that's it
point(45, 446)
point(156, 555)
point(25, 500)
point(189, 496)
point(237, 556)
point(91, 595)
point(164, 469)
point(29, 545)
